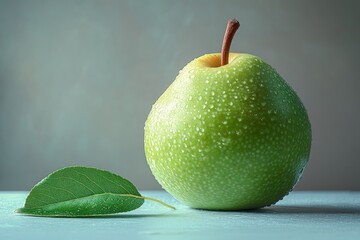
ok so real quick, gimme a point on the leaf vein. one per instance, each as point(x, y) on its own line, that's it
point(63, 189)
point(126, 190)
point(40, 200)
point(70, 178)
point(89, 179)
point(133, 197)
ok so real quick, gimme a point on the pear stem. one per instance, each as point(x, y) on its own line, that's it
point(232, 27)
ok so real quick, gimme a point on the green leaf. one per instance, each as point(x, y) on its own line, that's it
point(82, 191)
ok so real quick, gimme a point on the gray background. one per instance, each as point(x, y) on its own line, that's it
point(78, 78)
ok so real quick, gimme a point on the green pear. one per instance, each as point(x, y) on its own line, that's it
point(228, 136)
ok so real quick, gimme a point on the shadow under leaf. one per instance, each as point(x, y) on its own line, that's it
point(124, 215)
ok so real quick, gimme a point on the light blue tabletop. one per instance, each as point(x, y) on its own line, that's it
point(301, 215)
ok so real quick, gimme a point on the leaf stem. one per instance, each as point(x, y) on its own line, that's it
point(150, 199)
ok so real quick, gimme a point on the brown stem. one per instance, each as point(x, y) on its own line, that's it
point(231, 28)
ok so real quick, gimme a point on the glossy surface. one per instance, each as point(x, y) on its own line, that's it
point(301, 215)
point(229, 137)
